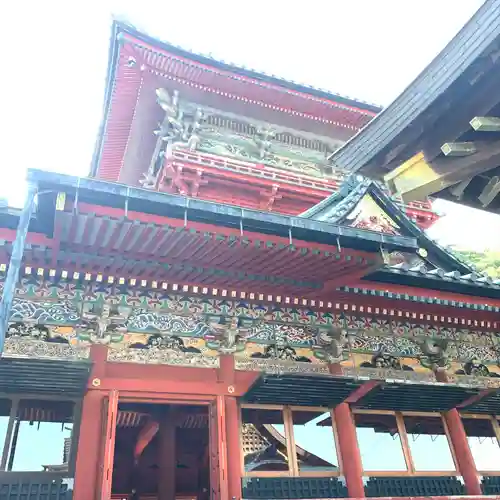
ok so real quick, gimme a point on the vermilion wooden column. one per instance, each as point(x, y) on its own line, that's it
point(465, 460)
point(87, 458)
point(349, 451)
point(233, 448)
point(91, 429)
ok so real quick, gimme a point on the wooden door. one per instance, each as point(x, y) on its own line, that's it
point(218, 452)
point(109, 414)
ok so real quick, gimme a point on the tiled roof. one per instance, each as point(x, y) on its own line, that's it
point(440, 269)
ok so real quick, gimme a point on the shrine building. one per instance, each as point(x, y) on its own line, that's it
point(218, 313)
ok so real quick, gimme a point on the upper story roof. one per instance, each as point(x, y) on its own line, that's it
point(139, 63)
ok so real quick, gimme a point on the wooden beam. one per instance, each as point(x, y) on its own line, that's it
point(458, 148)
point(476, 398)
point(419, 177)
point(485, 124)
point(362, 391)
point(447, 120)
point(167, 455)
point(458, 190)
point(490, 191)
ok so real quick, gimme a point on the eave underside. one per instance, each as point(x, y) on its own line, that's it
point(459, 85)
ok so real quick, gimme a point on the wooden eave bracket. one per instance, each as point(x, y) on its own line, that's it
point(490, 191)
point(414, 179)
point(418, 178)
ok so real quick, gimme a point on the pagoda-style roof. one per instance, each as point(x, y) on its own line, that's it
point(364, 203)
point(224, 80)
point(441, 135)
point(183, 123)
point(140, 64)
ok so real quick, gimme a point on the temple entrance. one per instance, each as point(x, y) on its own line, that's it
point(162, 451)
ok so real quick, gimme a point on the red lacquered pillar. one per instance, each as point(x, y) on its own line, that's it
point(91, 431)
point(349, 451)
point(88, 456)
point(463, 455)
point(233, 447)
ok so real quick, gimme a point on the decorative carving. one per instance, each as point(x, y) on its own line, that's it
point(284, 353)
point(332, 345)
point(178, 129)
point(434, 354)
point(262, 139)
point(142, 320)
point(368, 215)
point(162, 356)
point(476, 369)
point(60, 313)
point(228, 337)
point(279, 366)
point(161, 342)
point(102, 324)
point(27, 331)
point(49, 311)
point(28, 348)
point(386, 361)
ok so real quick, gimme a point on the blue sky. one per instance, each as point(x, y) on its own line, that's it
point(55, 59)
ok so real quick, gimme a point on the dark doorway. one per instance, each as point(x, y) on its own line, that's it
point(161, 452)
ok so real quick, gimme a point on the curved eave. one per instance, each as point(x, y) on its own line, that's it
point(455, 63)
point(108, 90)
point(151, 202)
point(454, 284)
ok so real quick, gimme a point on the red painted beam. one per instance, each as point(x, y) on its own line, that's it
point(349, 274)
point(476, 398)
point(32, 238)
point(362, 391)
